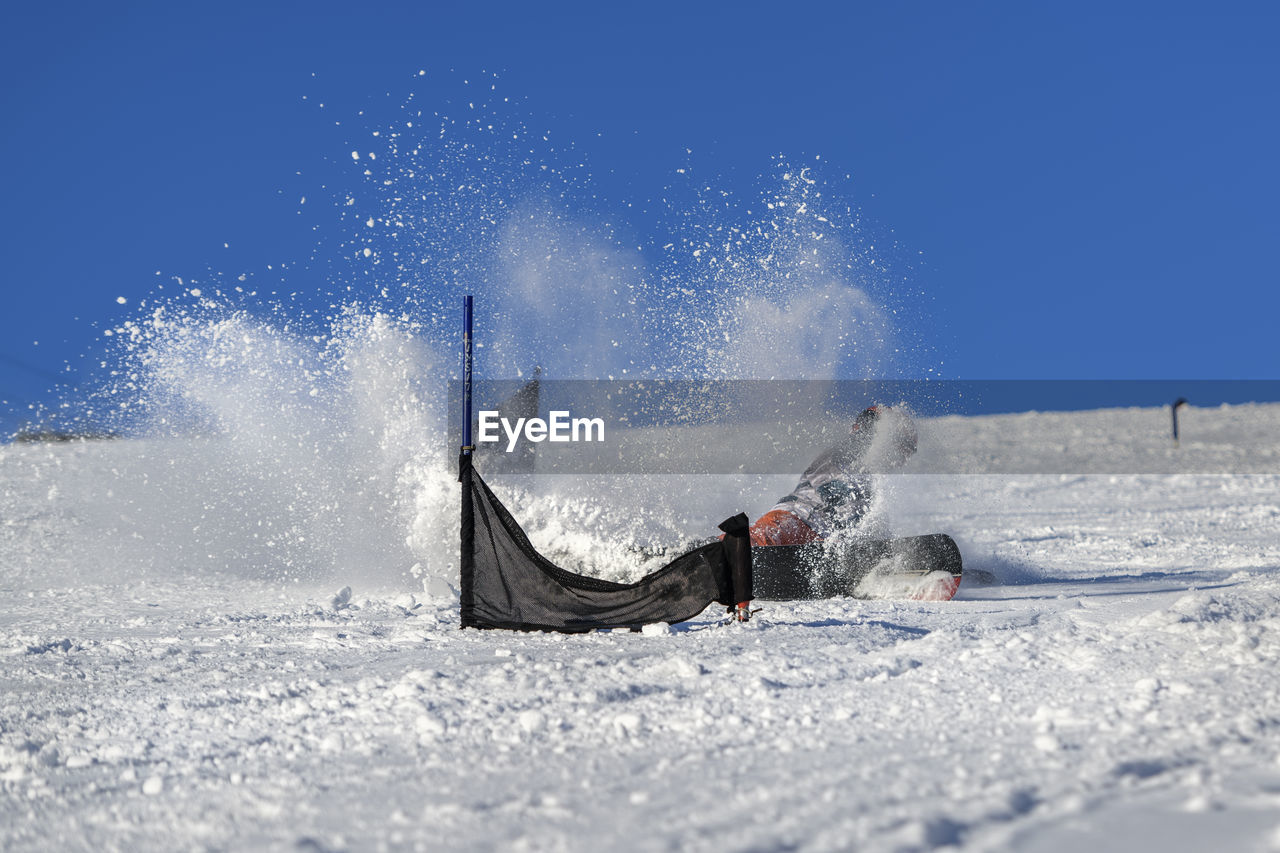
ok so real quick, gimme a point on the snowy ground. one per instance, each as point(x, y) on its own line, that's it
point(1119, 688)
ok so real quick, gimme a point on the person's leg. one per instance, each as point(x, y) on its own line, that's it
point(779, 527)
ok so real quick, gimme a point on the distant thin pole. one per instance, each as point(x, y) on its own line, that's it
point(467, 446)
point(1177, 404)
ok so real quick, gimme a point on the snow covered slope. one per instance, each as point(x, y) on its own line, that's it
point(178, 673)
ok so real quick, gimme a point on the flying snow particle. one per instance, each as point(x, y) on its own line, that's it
point(121, 300)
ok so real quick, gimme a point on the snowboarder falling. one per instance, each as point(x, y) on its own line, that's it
point(834, 493)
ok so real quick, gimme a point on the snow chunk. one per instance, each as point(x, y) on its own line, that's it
point(531, 721)
point(439, 589)
point(680, 666)
point(627, 724)
point(341, 599)
point(1047, 743)
point(429, 727)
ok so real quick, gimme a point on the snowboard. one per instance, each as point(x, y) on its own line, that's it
point(922, 568)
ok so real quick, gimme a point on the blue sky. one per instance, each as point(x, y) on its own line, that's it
point(1091, 187)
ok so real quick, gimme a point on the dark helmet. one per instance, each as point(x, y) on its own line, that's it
point(894, 418)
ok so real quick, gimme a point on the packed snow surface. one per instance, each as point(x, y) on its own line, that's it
point(1115, 687)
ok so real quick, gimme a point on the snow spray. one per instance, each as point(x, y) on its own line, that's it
point(305, 436)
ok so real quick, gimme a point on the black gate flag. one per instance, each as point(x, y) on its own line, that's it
point(508, 584)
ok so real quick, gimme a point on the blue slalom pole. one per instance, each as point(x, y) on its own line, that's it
point(467, 526)
point(467, 446)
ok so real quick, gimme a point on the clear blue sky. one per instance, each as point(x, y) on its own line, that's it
point(1095, 187)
